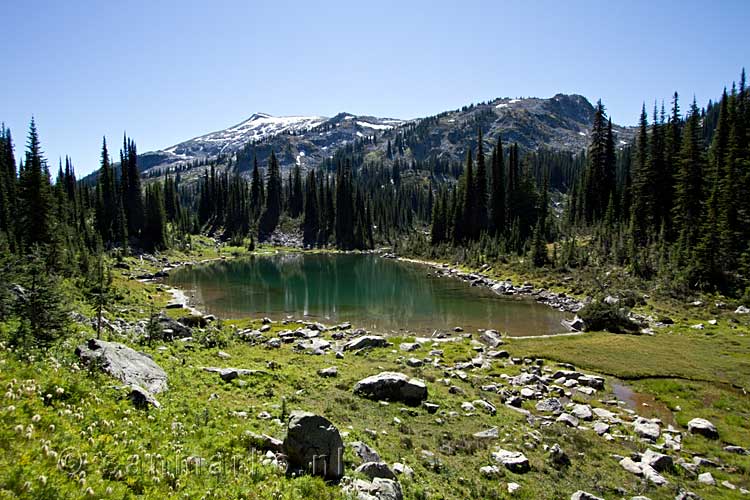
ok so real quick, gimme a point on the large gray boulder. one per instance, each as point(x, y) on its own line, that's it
point(313, 445)
point(392, 386)
point(125, 364)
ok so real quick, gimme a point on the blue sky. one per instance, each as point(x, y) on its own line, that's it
point(168, 71)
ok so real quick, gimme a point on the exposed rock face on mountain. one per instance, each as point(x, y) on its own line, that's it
point(561, 122)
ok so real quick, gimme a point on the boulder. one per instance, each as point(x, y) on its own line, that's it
point(582, 495)
point(647, 429)
point(313, 346)
point(574, 325)
point(377, 489)
point(558, 457)
point(141, 398)
point(331, 371)
point(703, 427)
point(489, 471)
point(550, 405)
point(582, 412)
point(229, 374)
point(601, 428)
point(514, 461)
point(364, 452)
point(414, 362)
point(313, 445)
point(364, 342)
point(376, 469)
point(125, 364)
point(392, 386)
point(265, 442)
point(742, 310)
point(568, 419)
point(490, 338)
point(706, 478)
point(409, 346)
point(431, 408)
point(653, 476)
point(658, 461)
point(631, 466)
point(492, 433)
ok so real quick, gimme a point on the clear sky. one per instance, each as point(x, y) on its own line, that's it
point(167, 71)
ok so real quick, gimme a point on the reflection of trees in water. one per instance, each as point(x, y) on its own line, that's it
point(364, 289)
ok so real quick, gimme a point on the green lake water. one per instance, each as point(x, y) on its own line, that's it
point(381, 295)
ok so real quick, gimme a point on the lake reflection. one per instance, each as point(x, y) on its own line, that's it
point(377, 294)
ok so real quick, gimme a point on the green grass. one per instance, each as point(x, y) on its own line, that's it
point(690, 369)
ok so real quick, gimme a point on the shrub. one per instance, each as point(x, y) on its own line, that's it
point(607, 317)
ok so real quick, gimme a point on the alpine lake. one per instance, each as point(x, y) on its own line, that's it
point(381, 295)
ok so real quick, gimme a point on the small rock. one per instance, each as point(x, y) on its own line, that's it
point(492, 433)
point(489, 471)
point(513, 487)
point(331, 371)
point(409, 346)
point(402, 469)
point(706, 478)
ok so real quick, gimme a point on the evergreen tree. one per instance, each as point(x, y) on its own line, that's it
point(686, 212)
point(497, 195)
point(35, 196)
point(311, 223)
point(155, 231)
point(480, 190)
point(255, 189)
point(270, 217)
point(644, 179)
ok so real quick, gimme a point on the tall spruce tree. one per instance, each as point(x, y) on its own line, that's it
point(35, 196)
point(497, 194)
point(272, 211)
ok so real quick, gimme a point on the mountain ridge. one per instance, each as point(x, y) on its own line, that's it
point(561, 122)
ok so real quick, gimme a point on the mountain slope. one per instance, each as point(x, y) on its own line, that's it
point(561, 122)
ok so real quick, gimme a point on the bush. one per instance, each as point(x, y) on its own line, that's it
point(601, 316)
